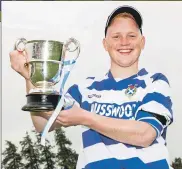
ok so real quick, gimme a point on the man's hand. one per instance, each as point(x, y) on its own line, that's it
point(18, 61)
point(72, 117)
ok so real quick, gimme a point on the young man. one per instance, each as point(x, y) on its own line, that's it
point(125, 113)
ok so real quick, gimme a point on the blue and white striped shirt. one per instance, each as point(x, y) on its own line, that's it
point(132, 99)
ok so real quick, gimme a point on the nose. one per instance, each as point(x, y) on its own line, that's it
point(124, 41)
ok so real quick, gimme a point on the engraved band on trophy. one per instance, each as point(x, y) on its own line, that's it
point(45, 65)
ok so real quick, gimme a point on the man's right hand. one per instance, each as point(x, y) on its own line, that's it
point(19, 63)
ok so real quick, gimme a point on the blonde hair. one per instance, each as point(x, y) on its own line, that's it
point(124, 15)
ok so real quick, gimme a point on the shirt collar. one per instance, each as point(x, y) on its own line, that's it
point(141, 72)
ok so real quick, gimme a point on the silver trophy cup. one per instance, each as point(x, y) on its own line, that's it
point(45, 64)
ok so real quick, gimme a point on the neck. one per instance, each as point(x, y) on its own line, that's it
point(123, 72)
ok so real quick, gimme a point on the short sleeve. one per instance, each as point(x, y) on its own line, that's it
point(156, 101)
point(74, 93)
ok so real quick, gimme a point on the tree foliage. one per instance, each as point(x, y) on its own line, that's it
point(47, 156)
point(33, 155)
point(177, 163)
point(65, 157)
point(29, 152)
point(11, 158)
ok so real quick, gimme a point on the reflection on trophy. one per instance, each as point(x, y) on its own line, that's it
point(45, 65)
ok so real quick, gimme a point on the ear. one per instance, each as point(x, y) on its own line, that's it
point(143, 42)
point(105, 44)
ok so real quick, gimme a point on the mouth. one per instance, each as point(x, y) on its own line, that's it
point(125, 51)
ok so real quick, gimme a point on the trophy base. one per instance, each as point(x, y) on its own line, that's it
point(40, 102)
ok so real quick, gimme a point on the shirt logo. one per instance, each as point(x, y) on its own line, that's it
point(125, 110)
point(131, 90)
point(94, 95)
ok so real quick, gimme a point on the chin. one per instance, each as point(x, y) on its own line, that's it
point(127, 63)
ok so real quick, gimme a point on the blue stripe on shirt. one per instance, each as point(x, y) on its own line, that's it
point(141, 114)
point(159, 76)
point(91, 137)
point(75, 93)
point(132, 163)
point(108, 84)
point(159, 98)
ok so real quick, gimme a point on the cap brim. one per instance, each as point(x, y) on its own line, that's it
point(137, 16)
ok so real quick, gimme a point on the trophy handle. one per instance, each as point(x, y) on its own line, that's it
point(20, 44)
point(69, 64)
point(77, 46)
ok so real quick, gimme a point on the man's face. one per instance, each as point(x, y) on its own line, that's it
point(124, 42)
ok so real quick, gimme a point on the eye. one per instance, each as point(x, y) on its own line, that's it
point(115, 37)
point(132, 36)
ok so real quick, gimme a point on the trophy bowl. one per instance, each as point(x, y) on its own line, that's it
point(45, 65)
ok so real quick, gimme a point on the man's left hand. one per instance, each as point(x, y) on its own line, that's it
point(72, 117)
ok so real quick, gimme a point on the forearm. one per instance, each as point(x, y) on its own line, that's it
point(125, 131)
point(40, 120)
point(29, 86)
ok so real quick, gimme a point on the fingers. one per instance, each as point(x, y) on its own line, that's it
point(59, 119)
point(18, 61)
point(63, 119)
point(26, 56)
point(62, 122)
point(15, 53)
